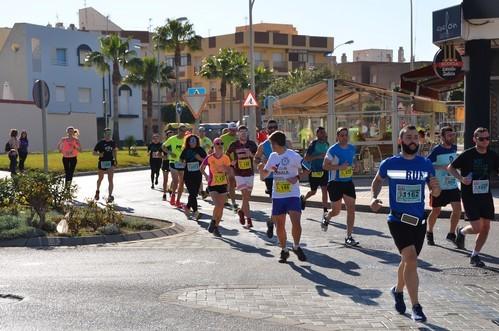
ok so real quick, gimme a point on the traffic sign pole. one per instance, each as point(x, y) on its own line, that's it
point(44, 129)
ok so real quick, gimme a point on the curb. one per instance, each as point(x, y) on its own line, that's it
point(171, 230)
point(117, 170)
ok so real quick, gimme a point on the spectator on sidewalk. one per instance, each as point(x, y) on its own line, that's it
point(23, 149)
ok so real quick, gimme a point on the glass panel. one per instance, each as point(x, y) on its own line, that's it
point(60, 93)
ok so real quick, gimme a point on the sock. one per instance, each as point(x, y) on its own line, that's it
point(285, 249)
point(295, 246)
point(474, 253)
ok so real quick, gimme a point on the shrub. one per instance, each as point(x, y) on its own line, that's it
point(130, 142)
point(109, 229)
point(92, 216)
point(12, 226)
point(61, 193)
point(137, 225)
point(7, 192)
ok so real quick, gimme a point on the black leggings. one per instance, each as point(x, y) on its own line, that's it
point(13, 163)
point(69, 167)
point(155, 165)
point(22, 158)
point(193, 182)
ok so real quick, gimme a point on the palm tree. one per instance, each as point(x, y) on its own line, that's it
point(144, 72)
point(114, 53)
point(175, 36)
point(228, 66)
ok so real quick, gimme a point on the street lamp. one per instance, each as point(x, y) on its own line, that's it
point(177, 80)
point(331, 116)
point(252, 111)
point(412, 41)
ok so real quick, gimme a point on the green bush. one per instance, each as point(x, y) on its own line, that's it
point(12, 227)
point(137, 225)
point(7, 192)
point(92, 216)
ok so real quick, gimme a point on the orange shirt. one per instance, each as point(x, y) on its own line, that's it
point(217, 172)
point(69, 147)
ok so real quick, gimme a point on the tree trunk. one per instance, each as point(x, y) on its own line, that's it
point(223, 94)
point(149, 113)
point(116, 116)
point(231, 104)
point(177, 81)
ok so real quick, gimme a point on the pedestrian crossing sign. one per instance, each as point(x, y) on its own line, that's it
point(250, 101)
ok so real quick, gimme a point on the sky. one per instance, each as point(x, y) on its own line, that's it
point(370, 23)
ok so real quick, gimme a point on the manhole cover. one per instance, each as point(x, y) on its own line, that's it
point(470, 272)
point(10, 298)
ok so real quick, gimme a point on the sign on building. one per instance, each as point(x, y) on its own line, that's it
point(447, 24)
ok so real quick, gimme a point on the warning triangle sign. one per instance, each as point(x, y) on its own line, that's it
point(250, 101)
point(196, 103)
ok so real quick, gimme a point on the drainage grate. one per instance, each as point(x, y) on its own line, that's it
point(10, 298)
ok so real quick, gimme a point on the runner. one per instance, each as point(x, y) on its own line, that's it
point(241, 153)
point(286, 166)
point(441, 156)
point(173, 147)
point(69, 147)
point(155, 158)
point(261, 156)
point(340, 162)
point(107, 150)
point(166, 166)
point(228, 138)
point(219, 167)
point(207, 145)
point(317, 177)
point(476, 165)
point(407, 174)
point(192, 155)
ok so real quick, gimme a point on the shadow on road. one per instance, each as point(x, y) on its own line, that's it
point(356, 230)
point(246, 248)
point(324, 284)
point(326, 261)
point(485, 257)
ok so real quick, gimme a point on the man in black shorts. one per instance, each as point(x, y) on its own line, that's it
point(476, 165)
point(106, 149)
point(441, 156)
point(407, 174)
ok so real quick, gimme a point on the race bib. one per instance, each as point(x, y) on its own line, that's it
point(106, 164)
point(408, 193)
point(192, 166)
point(480, 186)
point(346, 173)
point(317, 174)
point(244, 164)
point(156, 155)
point(219, 179)
point(283, 186)
point(179, 165)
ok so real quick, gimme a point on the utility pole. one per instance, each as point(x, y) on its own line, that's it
point(252, 110)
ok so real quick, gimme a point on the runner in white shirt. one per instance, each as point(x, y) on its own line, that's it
point(285, 165)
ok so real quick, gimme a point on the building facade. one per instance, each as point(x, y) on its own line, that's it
point(57, 56)
point(373, 55)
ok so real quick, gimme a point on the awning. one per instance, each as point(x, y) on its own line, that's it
point(424, 82)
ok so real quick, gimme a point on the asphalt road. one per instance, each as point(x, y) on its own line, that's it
point(129, 286)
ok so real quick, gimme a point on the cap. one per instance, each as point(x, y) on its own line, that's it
point(232, 126)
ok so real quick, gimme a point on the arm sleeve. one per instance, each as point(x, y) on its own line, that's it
point(97, 147)
point(433, 155)
point(270, 162)
point(383, 169)
point(330, 154)
point(458, 162)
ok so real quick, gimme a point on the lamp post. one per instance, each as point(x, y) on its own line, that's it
point(177, 80)
point(252, 110)
point(331, 114)
point(412, 41)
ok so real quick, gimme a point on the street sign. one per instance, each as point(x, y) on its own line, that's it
point(447, 24)
point(250, 101)
point(196, 90)
point(178, 108)
point(447, 63)
point(196, 104)
point(41, 94)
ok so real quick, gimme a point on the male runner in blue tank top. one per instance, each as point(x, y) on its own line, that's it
point(407, 175)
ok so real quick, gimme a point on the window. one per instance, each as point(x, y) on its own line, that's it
point(124, 92)
point(83, 51)
point(36, 55)
point(374, 79)
point(311, 59)
point(185, 60)
point(60, 93)
point(84, 95)
point(60, 57)
point(277, 57)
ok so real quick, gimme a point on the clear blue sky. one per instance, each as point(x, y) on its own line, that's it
point(371, 23)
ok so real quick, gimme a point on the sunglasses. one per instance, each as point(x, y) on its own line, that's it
point(219, 144)
point(272, 127)
point(483, 138)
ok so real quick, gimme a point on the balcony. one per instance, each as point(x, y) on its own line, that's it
point(280, 66)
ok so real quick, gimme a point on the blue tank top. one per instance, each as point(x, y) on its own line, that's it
point(267, 150)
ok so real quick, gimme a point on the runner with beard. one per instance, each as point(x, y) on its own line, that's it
point(407, 175)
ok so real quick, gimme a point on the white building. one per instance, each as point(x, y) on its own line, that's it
point(56, 55)
point(373, 55)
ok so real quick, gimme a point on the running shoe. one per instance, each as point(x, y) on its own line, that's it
point(476, 262)
point(204, 195)
point(164, 196)
point(212, 226)
point(324, 223)
point(302, 202)
point(284, 256)
point(399, 300)
point(270, 229)
point(197, 215)
point(179, 204)
point(172, 199)
point(451, 237)
point(96, 197)
point(110, 199)
point(152, 186)
point(429, 239)
point(460, 239)
point(417, 313)
point(156, 181)
point(349, 241)
point(240, 213)
point(249, 224)
point(216, 232)
point(299, 253)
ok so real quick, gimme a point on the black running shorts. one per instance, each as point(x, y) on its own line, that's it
point(336, 190)
point(406, 235)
